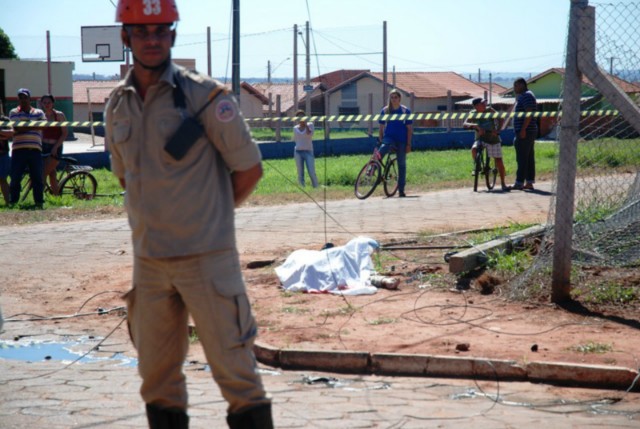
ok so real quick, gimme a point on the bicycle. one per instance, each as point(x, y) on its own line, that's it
point(378, 169)
point(486, 166)
point(73, 179)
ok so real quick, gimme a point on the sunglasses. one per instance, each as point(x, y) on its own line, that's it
point(142, 33)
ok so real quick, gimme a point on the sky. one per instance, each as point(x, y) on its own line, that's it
point(464, 36)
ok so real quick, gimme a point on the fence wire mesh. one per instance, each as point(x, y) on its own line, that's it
point(605, 220)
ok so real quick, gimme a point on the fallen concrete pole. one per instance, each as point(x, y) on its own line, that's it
point(470, 259)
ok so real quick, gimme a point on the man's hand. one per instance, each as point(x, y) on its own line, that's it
point(244, 182)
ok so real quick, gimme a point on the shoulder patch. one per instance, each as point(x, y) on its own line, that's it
point(226, 111)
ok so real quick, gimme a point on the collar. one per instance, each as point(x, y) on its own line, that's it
point(167, 77)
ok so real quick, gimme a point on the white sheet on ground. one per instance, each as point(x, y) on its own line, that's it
point(340, 270)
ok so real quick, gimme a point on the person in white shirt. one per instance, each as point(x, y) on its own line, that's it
point(303, 153)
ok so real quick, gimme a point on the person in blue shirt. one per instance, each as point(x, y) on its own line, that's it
point(526, 130)
point(396, 135)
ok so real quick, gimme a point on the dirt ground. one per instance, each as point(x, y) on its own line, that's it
point(431, 312)
point(434, 312)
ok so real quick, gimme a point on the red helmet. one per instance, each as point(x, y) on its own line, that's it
point(147, 11)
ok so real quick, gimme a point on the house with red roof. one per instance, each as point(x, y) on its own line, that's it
point(547, 87)
point(90, 98)
point(422, 92)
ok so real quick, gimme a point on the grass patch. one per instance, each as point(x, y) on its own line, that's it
point(295, 310)
point(427, 170)
point(382, 321)
point(342, 311)
point(512, 264)
point(495, 233)
point(593, 347)
point(606, 293)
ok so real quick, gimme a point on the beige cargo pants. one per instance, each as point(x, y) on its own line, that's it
point(210, 288)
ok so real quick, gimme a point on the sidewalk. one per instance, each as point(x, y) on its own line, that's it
point(103, 395)
point(106, 396)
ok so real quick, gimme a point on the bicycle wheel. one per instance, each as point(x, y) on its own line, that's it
point(367, 180)
point(478, 168)
point(391, 176)
point(490, 172)
point(80, 184)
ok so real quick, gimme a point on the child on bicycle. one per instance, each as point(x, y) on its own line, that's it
point(487, 135)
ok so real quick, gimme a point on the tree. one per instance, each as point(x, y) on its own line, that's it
point(6, 47)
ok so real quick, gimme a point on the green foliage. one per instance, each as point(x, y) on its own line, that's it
point(193, 335)
point(510, 265)
point(295, 310)
point(607, 293)
point(382, 321)
point(342, 311)
point(593, 347)
point(495, 233)
point(425, 170)
point(608, 153)
point(593, 210)
point(7, 51)
point(266, 134)
point(107, 194)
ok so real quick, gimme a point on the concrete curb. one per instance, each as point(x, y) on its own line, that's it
point(358, 362)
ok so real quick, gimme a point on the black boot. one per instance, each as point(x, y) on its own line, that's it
point(254, 418)
point(166, 418)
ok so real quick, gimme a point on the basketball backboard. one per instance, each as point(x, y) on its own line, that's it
point(102, 43)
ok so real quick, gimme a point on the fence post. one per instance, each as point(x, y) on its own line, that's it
point(279, 121)
point(371, 113)
point(449, 110)
point(327, 128)
point(567, 162)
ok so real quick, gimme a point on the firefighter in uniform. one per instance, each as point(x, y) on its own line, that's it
point(184, 155)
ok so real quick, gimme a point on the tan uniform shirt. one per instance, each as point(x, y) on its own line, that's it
point(177, 208)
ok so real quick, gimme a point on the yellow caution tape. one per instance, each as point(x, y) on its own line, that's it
point(344, 118)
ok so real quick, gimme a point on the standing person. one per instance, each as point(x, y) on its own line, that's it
point(180, 198)
point(52, 140)
point(526, 130)
point(6, 133)
point(303, 152)
point(396, 135)
point(488, 136)
point(26, 149)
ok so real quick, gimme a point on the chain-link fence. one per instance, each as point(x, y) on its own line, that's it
point(595, 215)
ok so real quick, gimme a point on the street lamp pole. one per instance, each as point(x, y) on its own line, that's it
point(295, 67)
point(235, 72)
point(308, 60)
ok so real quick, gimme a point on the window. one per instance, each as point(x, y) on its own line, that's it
point(345, 110)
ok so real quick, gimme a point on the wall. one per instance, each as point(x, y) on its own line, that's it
point(550, 86)
point(33, 75)
point(250, 104)
point(334, 147)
